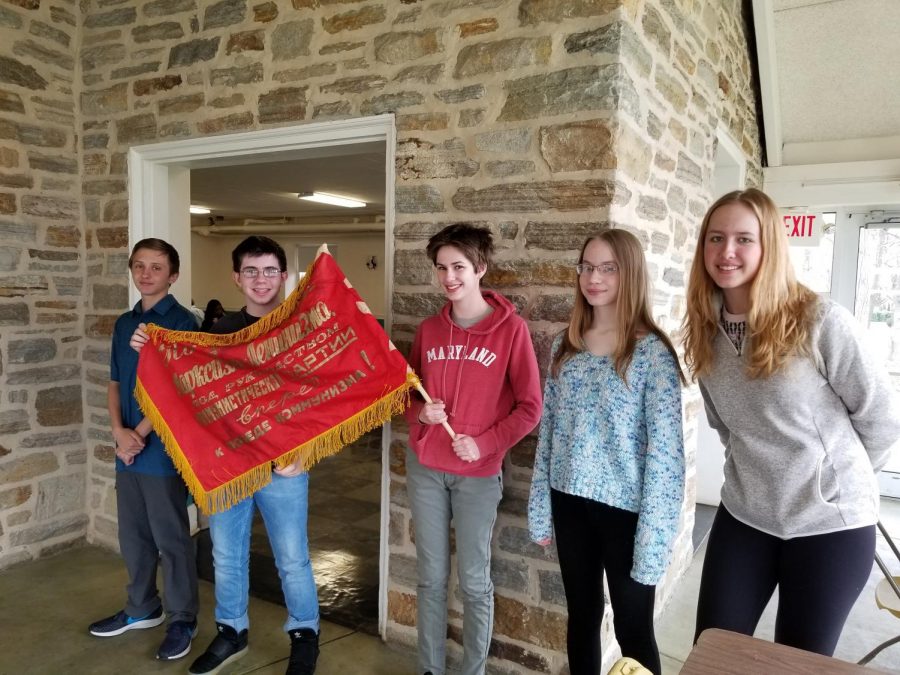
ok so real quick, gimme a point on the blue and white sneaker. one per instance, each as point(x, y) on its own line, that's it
point(177, 644)
point(121, 622)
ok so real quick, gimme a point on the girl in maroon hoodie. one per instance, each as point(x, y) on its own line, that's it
point(476, 360)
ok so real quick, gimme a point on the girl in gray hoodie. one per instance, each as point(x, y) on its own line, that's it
point(807, 419)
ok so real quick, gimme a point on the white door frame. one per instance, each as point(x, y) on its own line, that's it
point(159, 197)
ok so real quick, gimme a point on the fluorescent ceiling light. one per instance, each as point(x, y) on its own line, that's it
point(199, 210)
point(334, 200)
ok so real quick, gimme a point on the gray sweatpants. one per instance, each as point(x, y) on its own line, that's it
point(436, 498)
point(153, 527)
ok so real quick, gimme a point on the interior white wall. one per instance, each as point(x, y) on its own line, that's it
point(731, 167)
point(211, 265)
point(178, 215)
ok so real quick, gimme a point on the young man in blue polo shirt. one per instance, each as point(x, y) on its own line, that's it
point(150, 495)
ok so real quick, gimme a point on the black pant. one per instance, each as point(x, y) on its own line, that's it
point(818, 577)
point(593, 538)
point(153, 527)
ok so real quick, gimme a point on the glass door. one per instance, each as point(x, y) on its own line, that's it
point(877, 307)
point(857, 263)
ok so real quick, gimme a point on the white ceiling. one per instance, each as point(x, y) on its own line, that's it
point(837, 66)
point(268, 191)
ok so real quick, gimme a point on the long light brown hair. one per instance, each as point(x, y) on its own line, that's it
point(633, 311)
point(781, 309)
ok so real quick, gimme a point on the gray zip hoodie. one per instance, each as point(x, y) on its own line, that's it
point(802, 446)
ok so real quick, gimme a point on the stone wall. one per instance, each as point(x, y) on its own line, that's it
point(616, 128)
point(42, 293)
point(542, 119)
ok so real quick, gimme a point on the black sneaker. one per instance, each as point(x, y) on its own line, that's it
point(179, 635)
point(227, 646)
point(121, 622)
point(304, 652)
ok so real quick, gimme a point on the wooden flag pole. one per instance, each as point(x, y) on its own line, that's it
point(427, 398)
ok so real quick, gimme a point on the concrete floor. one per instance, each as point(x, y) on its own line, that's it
point(46, 606)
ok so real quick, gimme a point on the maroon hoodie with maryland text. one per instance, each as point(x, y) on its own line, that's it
point(486, 375)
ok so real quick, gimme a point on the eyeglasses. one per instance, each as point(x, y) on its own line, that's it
point(253, 272)
point(605, 269)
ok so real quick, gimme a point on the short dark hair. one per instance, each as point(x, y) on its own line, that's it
point(154, 244)
point(476, 243)
point(255, 246)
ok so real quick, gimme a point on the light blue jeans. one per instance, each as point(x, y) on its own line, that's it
point(437, 498)
point(283, 505)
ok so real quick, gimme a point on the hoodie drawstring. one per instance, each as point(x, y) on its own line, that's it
point(462, 363)
point(444, 371)
point(459, 370)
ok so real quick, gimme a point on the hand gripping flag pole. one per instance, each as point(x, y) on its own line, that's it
point(427, 398)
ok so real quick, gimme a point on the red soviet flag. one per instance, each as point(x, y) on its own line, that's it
point(306, 379)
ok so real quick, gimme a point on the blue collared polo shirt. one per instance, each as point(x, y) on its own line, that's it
point(166, 313)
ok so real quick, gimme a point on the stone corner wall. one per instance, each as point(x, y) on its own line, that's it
point(43, 455)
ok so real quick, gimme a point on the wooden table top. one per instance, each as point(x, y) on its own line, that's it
point(721, 652)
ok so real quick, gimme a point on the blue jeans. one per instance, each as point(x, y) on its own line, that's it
point(283, 505)
point(436, 498)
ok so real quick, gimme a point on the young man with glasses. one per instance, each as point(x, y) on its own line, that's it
point(260, 269)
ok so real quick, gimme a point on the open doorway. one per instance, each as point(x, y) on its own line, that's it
point(349, 492)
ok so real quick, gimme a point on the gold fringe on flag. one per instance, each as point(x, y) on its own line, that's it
point(309, 453)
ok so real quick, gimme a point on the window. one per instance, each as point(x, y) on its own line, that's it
point(877, 303)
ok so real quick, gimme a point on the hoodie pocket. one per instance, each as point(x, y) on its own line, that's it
point(827, 486)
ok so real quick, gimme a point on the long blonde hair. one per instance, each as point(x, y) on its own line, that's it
point(633, 312)
point(781, 309)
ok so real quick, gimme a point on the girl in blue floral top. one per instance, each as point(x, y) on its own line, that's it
point(609, 467)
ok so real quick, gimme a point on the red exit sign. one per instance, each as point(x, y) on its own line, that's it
point(803, 229)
